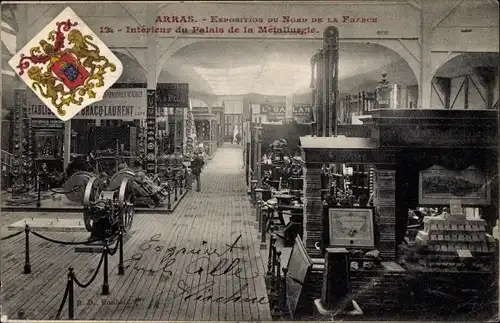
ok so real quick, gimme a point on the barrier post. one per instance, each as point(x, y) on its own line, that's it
point(121, 269)
point(278, 277)
point(105, 285)
point(27, 265)
point(169, 200)
point(272, 241)
point(263, 223)
point(283, 290)
point(258, 214)
point(71, 302)
point(277, 260)
point(175, 189)
point(39, 191)
point(277, 292)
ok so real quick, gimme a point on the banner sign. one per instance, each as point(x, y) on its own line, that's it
point(47, 123)
point(118, 103)
point(281, 20)
point(172, 95)
point(273, 110)
point(151, 132)
point(301, 110)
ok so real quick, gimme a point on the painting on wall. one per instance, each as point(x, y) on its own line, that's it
point(438, 185)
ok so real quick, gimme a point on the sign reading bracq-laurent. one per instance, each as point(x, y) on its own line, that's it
point(118, 103)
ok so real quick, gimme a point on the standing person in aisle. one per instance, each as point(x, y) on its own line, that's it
point(197, 166)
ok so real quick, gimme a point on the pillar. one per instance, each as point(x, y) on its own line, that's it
point(289, 107)
point(151, 93)
point(425, 85)
point(384, 201)
point(19, 114)
point(67, 144)
point(313, 208)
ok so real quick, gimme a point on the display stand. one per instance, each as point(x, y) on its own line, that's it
point(403, 144)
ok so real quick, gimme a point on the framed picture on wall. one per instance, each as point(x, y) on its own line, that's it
point(438, 185)
point(349, 227)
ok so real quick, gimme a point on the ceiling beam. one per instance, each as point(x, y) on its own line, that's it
point(446, 13)
point(414, 4)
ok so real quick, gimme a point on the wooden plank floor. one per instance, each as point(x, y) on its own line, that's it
point(201, 262)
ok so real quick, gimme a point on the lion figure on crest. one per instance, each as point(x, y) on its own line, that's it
point(48, 81)
point(91, 57)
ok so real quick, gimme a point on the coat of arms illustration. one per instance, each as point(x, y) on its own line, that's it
point(67, 65)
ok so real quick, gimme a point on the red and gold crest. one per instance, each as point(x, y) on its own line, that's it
point(67, 66)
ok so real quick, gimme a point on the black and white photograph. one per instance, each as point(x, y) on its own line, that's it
point(250, 161)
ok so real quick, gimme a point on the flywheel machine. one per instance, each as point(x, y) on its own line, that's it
point(147, 192)
point(107, 212)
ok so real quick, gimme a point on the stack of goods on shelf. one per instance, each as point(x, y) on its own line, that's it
point(454, 242)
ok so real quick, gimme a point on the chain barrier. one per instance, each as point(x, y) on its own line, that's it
point(15, 234)
point(69, 291)
point(93, 276)
point(27, 190)
point(112, 251)
point(74, 189)
point(66, 293)
point(64, 242)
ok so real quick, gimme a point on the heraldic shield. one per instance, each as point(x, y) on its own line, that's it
point(67, 65)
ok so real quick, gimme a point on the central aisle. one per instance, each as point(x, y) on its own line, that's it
point(208, 254)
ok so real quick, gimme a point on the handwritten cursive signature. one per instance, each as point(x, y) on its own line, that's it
point(202, 264)
point(203, 292)
point(223, 267)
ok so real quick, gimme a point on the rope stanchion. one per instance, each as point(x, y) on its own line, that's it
point(113, 250)
point(272, 242)
point(121, 268)
point(105, 284)
point(27, 265)
point(283, 300)
point(169, 198)
point(175, 189)
point(66, 293)
point(23, 192)
point(74, 189)
point(71, 299)
point(263, 223)
point(39, 192)
point(63, 242)
point(93, 276)
point(12, 235)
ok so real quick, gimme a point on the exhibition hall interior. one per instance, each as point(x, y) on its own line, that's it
point(253, 162)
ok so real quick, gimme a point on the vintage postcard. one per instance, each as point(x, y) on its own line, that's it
point(250, 160)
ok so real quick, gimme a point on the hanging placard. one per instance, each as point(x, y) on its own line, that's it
point(172, 95)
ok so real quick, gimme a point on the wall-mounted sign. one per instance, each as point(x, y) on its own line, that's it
point(118, 103)
point(47, 123)
point(350, 227)
point(273, 110)
point(172, 95)
point(302, 110)
point(151, 132)
point(279, 110)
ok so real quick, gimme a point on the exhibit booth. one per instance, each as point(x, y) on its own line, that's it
point(439, 159)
